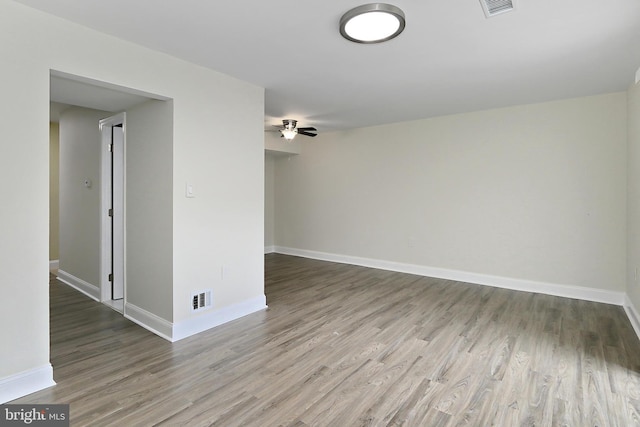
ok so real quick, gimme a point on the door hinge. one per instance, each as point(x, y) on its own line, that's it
point(110, 146)
point(111, 277)
point(111, 212)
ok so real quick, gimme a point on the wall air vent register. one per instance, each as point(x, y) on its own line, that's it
point(496, 7)
point(201, 300)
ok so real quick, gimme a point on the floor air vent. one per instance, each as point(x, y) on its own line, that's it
point(201, 300)
point(496, 7)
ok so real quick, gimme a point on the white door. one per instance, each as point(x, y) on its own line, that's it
point(112, 282)
point(117, 219)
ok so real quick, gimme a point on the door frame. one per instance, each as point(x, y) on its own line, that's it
point(106, 237)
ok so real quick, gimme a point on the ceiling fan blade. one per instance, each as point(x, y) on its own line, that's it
point(301, 132)
point(307, 129)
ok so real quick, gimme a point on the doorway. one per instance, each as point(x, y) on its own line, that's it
point(93, 245)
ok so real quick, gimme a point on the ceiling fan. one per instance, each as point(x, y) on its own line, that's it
point(289, 130)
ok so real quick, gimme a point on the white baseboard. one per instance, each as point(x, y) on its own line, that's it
point(269, 249)
point(176, 331)
point(24, 383)
point(632, 314)
point(92, 291)
point(213, 318)
point(149, 321)
point(54, 264)
point(568, 291)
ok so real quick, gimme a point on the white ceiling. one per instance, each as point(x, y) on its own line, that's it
point(449, 59)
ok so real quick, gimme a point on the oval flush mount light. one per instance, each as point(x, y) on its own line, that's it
point(372, 23)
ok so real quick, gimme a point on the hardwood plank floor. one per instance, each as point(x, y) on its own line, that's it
point(343, 345)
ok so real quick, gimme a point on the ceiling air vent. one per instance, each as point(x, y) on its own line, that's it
point(496, 7)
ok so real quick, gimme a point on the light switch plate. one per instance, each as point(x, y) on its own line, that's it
point(189, 191)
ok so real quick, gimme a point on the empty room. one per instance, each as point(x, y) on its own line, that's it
point(320, 213)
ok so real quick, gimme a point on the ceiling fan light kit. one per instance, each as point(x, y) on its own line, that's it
point(372, 23)
point(289, 131)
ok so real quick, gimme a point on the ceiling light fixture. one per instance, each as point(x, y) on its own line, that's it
point(372, 23)
point(289, 130)
point(289, 134)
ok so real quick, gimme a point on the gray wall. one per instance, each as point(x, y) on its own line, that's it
point(149, 211)
point(269, 200)
point(532, 192)
point(80, 206)
point(54, 191)
point(633, 196)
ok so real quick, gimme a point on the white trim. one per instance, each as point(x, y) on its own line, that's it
point(176, 331)
point(210, 319)
point(148, 320)
point(106, 85)
point(92, 291)
point(269, 249)
point(632, 314)
point(27, 382)
point(567, 291)
point(54, 264)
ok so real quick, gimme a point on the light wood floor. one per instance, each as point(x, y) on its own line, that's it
point(348, 346)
